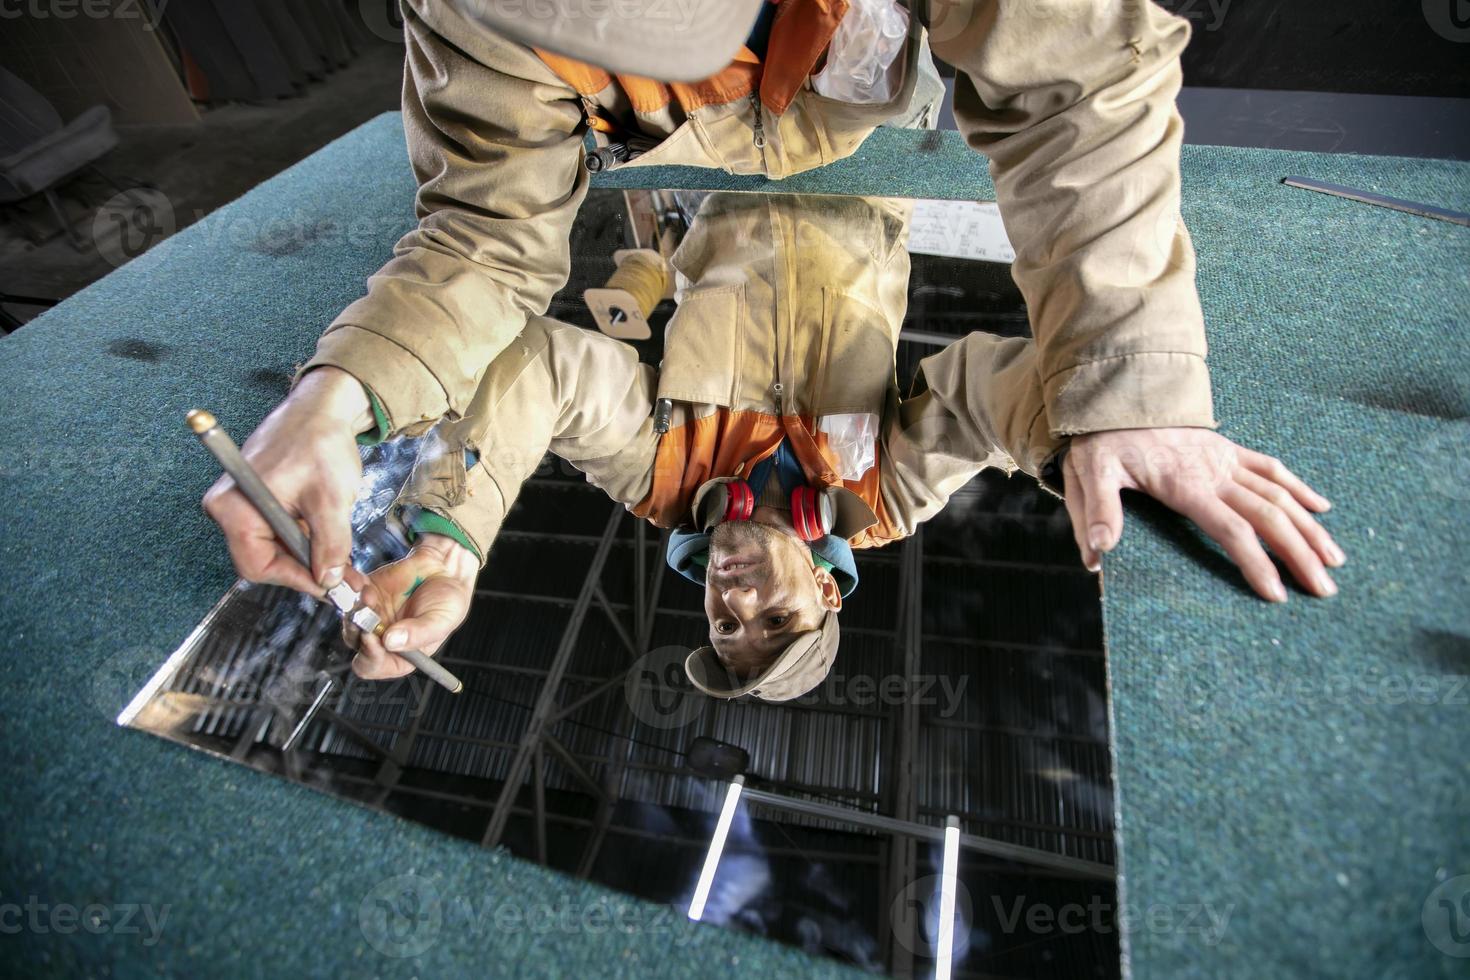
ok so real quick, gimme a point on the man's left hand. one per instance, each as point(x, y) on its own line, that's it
point(422, 598)
point(1237, 496)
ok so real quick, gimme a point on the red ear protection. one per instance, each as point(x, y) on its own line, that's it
point(811, 510)
point(811, 513)
point(739, 501)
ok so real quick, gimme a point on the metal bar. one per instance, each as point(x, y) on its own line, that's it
point(325, 687)
point(354, 733)
point(562, 752)
point(903, 856)
point(606, 806)
point(655, 590)
point(391, 769)
point(546, 702)
point(615, 772)
point(913, 830)
point(971, 726)
point(660, 837)
point(1368, 197)
point(617, 624)
point(592, 695)
point(640, 583)
point(538, 763)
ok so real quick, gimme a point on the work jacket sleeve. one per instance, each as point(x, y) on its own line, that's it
point(976, 404)
point(575, 393)
point(1073, 103)
point(495, 142)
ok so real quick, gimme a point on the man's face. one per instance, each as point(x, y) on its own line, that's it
point(761, 590)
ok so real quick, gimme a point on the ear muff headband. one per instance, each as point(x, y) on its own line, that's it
point(811, 510)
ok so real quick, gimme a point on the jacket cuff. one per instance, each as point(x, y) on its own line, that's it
point(1131, 391)
point(405, 393)
point(417, 521)
point(380, 430)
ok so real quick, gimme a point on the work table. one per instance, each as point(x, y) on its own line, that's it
point(1267, 762)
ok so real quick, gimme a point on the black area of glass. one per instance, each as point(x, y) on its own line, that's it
point(988, 703)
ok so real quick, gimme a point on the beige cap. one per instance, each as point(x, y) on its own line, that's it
point(666, 40)
point(803, 665)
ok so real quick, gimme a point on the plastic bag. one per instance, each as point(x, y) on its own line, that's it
point(862, 60)
point(853, 439)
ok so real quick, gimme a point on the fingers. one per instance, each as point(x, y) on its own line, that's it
point(1315, 534)
point(1076, 500)
point(1103, 508)
point(1235, 534)
point(1276, 528)
point(373, 663)
point(329, 525)
point(434, 609)
point(1272, 469)
point(257, 554)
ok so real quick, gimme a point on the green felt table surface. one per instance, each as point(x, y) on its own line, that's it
point(1266, 764)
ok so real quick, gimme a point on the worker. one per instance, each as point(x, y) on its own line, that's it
point(1072, 101)
point(785, 444)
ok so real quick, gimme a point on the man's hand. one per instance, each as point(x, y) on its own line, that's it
point(422, 597)
point(1237, 496)
point(306, 452)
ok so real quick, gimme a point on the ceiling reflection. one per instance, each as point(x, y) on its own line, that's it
point(970, 691)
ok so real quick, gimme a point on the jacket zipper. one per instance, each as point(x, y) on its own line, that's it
point(758, 128)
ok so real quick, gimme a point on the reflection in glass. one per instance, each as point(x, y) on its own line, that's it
point(970, 685)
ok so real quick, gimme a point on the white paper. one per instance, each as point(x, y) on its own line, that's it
point(960, 230)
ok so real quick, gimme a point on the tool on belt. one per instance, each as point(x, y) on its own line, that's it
point(621, 307)
point(343, 596)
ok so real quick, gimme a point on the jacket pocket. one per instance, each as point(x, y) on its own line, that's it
point(856, 362)
point(702, 347)
point(681, 148)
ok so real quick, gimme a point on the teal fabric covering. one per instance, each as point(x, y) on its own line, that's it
point(889, 163)
point(1306, 765)
point(1339, 335)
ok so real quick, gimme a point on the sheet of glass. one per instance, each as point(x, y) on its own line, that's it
point(970, 685)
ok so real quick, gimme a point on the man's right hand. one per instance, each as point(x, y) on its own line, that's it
point(306, 452)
